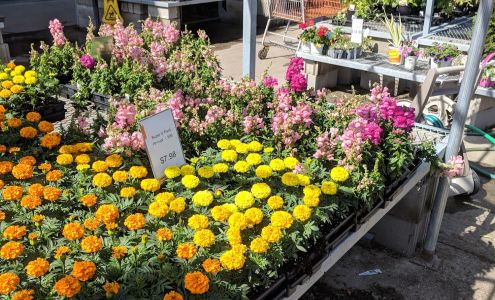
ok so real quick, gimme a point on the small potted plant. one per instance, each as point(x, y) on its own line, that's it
point(410, 52)
point(320, 40)
point(307, 36)
point(340, 19)
point(442, 55)
point(395, 31)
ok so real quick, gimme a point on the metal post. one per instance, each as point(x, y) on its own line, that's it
point(461, 109)
point(96, 13)
point(249, 37)
point(430, 5)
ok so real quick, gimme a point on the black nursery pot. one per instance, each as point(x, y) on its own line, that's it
point(404, 10)
point(53, 112)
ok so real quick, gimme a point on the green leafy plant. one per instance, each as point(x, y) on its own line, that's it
point(394, 29)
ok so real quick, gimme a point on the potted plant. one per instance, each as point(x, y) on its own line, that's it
point(442, 55)
point(395, 31)
point(320, 40)
point(409, 52)
point(340, 19)
point(338, 43)
point(308, 34)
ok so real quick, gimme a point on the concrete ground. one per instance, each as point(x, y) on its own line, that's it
point(466, 243)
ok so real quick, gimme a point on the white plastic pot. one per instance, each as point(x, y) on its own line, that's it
point(315, 49)
point(305, 47)
point(440, 64)
point(410, 62)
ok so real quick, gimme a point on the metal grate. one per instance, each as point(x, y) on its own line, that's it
point(460, 33)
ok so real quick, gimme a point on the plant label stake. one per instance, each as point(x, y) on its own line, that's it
point(357, 31)
point(162, 142)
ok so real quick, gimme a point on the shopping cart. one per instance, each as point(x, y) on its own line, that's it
point(297, 11)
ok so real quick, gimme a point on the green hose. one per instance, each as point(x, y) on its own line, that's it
point(484, 134)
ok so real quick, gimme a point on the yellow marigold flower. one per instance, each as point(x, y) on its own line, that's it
point(18, 79)
point(234, 143)
point(91, 223)
point(271, 234)
point(312, 191)
point(290, 162)
point(242, 148)
point(135, 221)
point(241, 166)
point(164, 234)
point(281, 219)
point(14, 232)
point(30, 202)
point(339, 174)
point(138, 171)
point(14, 122)
point(186, 250)
point(244, 199)
point(206, 172)
point(198, 221)
point(102, 180)
point(8, 282)
point(253, 215)
point(7, 84)
point(196, 283)
point(19, 69)
point(165, 197)
point(150, 184)
point(204, 238)
point(157, 209)
point(45, 127)
point(51, 193)
point(28, 132)
point(73, 231)
point(111, 288)
point(290, 179)
point(220, 168)
point(37, 267)
point(211, 265)
point(178, 205)
point(119, 252)
point(311, 201)
point(172, 172)
point(30, 73)
point(33, 116)
point(223, 144)
point(258, 245)
point(22, 171)
point(45, 166)
point(263, 171)
point(253, 159)
point(82, 159)
point(304, 180)
point(255, 146)
point(202, 198)
point(194, 160)
point(30, 80)
point(232, 260)
point(329, 188)
point(127, 192)
point(6, 167)
point(17, 89)
point(91, 244)
point(83, 270)
point(238, 220)
point(261, 190)
point(61, 251)
point(114, 160)
point(302, 212)
point(107, 213)
point(268, 150)
point(234, 236)
point(68, 286)
point(23, 295)
point(83, 147)
point(231, 207)
point(65, 159)
point(12, 192)
point(190, 181)
point(120, 176)
point(4, 76)
point(5, 94)
point(229, 155)
point(277, 164)
point(187, 170)
point(220, 213)
point(54, 175)
point(82, 167)
point(97, 166)
point(11, 250)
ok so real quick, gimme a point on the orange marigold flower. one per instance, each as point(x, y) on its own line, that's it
point(84, 270)
point(68, 286)
point(91, 244)
point(6, 167)
point(23, 295)
point(61, 252)
point(35, 190)
point(73, 231)
point(28, 160)
point(11, 250)
point(111, 226)
point(186, 250)
point(173, 295)
point(2, 184)
point(14, 122)
point(14, 232)
point(111, 288)
point(45, 126)
point(22, 171)
point(14, 149)
point(119, 252)
point(164, 234)
point(33, 236)
point(30, 202)
point(37, 267)
point(38, 218)
point(2, 215)
point(8, 282)
point(51, 193)
point(28, 132)
point(196, 282)
point(12, 192)
point(211, 265)
point(89, 200)
point(33, 116)
point(45, 167)
point(3, 148)
point(114, 160)
point(135, 221)
point(50, 140)
point(107, 213)
point(91, 223)
point(54, 175)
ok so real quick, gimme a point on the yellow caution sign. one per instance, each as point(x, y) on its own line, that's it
point(111, 12)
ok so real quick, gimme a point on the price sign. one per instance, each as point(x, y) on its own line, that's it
point(162, 142)
point(357, 31)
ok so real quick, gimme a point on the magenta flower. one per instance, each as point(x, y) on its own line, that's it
point(87, 61)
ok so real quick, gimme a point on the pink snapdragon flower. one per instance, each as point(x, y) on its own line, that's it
point(454, 166)
point(270, 81)
point(326, 144)
point(125, 116)
point(82, 122)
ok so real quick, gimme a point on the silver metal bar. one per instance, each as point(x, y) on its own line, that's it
point(428, 16)
point(266, 31)
point(456, 133)
point(249, 37)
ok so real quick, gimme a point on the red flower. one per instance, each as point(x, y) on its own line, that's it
point(311, 22)
point(302, 26)
point(322, 31)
